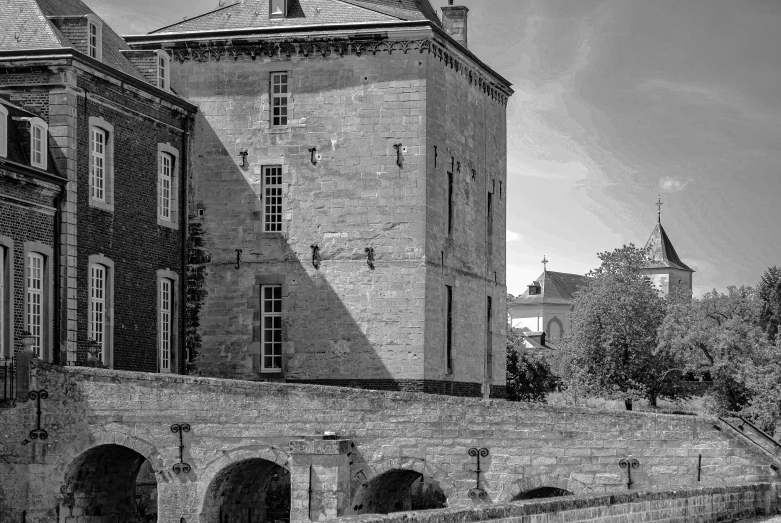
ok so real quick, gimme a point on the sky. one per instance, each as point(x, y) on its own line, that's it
point(617, 102)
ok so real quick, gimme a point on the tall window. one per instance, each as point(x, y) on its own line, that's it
point(3, 131)
point(490, 222)
point(449, 329)
point(449, 204)
point(98, 154)
point(271, 326)
point(165, 309)
point(94, 37)
point(3, 324)
point(38, 143)
point(489, 353)
point(97, 306)
point(279, 99)
point(34, 289)
point(163, 77)
point(165, 180)
point(272, 198)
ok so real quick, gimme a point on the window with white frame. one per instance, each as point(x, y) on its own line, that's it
point(98, 157)
point(94, 37)
point(38, 142)
point(34, 303)
point(97, 306)
point(279, 99)
point(165, 322)
point(271, 328)
point(277, 8)
point(3, 131)
point(163, 70)
point(272, 198)
point(101, 163)
point(165, 177)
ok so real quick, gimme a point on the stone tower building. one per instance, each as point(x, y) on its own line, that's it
point(348, 195)
point(665, 267)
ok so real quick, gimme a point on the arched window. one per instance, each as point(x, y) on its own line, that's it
point(94, 37)
point(3, 131)
point(167, 186)
point(163, 70)
point(39, 146)
point(101, 294)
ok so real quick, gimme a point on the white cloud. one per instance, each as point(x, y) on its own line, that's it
point(513, 236)
point(669, 184)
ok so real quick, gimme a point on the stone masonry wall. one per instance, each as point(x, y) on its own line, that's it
point(703, 505)
point(530, 446)
point(467, 136)
point(343, 322)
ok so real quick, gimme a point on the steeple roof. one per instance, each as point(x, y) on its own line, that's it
point(555, 287)
point(662, 253)
point(254, 14)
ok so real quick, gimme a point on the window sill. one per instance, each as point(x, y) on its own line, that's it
point(282, 129)
point(272, 373)
point(167, 224)
point(270, 235)
point(97, 204)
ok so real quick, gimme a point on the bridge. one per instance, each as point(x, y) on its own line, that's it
point(99, 443)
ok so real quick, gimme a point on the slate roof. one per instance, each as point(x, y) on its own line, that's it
point(253, 14)
point(29, 27)
point(662, 252)
point(555, 287)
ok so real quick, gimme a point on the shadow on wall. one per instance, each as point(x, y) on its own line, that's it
point(231, 257)
point(398, 491)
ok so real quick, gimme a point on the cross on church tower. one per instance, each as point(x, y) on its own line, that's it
point(659, 205)
point(545, 263)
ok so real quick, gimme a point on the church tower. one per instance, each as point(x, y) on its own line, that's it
point(665, 268)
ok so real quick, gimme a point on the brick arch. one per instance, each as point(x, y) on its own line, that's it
point(418, 465)
point(107, 437)
point(537, 481)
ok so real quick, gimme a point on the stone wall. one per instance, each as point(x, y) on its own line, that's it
point(98, 413)
point(696, 504)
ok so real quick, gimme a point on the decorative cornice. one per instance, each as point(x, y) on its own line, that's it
point(305, 48)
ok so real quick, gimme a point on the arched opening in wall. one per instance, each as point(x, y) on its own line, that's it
point(398, 491)
point(109, 483)
point(542, 492)
point(250, 491)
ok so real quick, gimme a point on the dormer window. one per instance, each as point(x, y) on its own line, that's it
point(94, 37)
point(163, 70)
point(38, 143)
point(3, 132)
point(534, 289)
point(277, 9)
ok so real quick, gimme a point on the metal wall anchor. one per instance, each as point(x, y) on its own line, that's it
point(38, 432)
point(628, 464)
point(181, 466)
point(478, 453)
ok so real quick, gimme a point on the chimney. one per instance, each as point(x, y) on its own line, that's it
point(454, 22)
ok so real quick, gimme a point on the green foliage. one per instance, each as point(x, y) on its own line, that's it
point(612, 346)
point(769, 290)
point(529, 377)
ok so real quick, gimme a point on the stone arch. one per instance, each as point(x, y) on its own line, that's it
point(235, 485)
point(549, 328)
point(542, 481)
point(398, 477)
point(99, 479)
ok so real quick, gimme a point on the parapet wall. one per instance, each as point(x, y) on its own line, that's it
point(701, 505)
point(529, 446)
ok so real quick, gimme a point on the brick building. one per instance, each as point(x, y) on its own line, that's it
point(348, 195)
point(91, 210)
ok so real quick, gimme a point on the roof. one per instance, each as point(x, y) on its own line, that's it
point(662, 253)
point(555, 287)
point(30, 27)
point(255, 14)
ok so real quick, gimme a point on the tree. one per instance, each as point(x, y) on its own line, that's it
point(770, 294)
point(612, 346)
point(720, 335)
point(529, 377)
